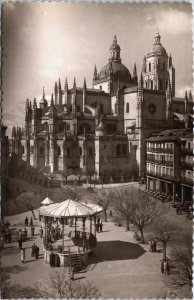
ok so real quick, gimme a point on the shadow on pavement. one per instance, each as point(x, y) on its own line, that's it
point(15, 269)
point(10, 250)
point(116, 250)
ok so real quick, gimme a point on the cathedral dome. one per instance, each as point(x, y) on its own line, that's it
point(115, 69)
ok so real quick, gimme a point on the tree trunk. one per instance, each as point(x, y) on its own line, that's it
point(164, 250)
point(127, 225)
point(33, 214)
point(105, 215)
point(142, 235)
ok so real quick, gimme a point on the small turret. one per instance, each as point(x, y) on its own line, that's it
point(74, 85)
point(56, 93)
point(60, 92)
point(66, 91)
point(13, 132)
point(84, 93)
point(135, 78)
point(43, 101)
point(95, 73)
point(186, 103)
point(190, 96)
point(52, 100)
point(34, 104)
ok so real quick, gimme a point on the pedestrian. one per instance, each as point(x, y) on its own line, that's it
point(26, 221)
point(162, 267)
point(36, 251)
point(150, 246)
point(25, 234)
point(33, 250)
point(41, 231)
point(31, 222)
point(20, 243)
point(98, 220)
point(9, 236)
point(110, 213)
point(165, 267)
point(101, 226)
point(97, 227)
point(2, 241)
point(154, 245)
point(22, 253)
point(32, 230)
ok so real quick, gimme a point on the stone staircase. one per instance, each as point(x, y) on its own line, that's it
point(76, 262)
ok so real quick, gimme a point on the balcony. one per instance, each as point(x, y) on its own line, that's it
point(162, 176)
point(159, 162)
point(160, 150)
point(187, 165)
point(187, 180)
point(186, 151)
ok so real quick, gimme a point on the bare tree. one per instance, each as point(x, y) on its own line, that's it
point(136, 207)
point(60, 286)
point(71, 192)
point(103, 197)
point(181, 254)
point(30, 200)
point(164, 231)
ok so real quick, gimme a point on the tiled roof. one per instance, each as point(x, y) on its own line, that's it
point(170, 135)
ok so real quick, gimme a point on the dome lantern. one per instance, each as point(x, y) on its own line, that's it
point(115, 50)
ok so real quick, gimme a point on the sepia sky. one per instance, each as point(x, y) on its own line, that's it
point(45, 41)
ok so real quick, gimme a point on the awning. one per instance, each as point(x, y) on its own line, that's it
point(47, 201)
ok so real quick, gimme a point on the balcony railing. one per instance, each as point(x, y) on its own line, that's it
point(159, 162)
point(160, 175)
point(160, 150)
point(187, 151)
point(187, 165)
point(187, 180)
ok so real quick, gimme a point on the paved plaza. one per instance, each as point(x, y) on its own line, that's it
point(118, 261)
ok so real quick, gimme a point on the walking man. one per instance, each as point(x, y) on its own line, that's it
point(41, 231)
point(32, 230)
point(33, 250)
point(26, 221)
point(22, 253)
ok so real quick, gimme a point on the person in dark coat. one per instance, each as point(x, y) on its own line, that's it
point(33, 250)
point(20, 243)
point(52, 259)
point(101, 226)
point(162, 267)
point(9, 236)
point(36, 251)
point(26, 221)
point(32, 230)
point(41, 231)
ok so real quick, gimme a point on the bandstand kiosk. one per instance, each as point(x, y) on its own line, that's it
point(67, 243)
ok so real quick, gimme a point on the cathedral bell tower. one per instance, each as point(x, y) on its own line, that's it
point(157, 68)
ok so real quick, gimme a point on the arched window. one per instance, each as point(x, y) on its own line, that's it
point(150, 67)
point(45, 126)
point(125, 150)
point(41, 150)
point(115, 108)
point(127, 107)
point(67, 127)
point(152, 85)
point(23, 149)
point(59, 150)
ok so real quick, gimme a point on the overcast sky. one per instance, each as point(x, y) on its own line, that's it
point(45, 41)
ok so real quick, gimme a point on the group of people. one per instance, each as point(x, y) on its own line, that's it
point(28, 222)
point(165, 267)
point(152, 245)
point(54, 233)
point(99, 225)
point(5, 234)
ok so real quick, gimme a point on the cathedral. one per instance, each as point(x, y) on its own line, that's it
point(102, 131)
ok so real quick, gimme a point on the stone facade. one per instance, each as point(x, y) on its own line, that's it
point(102, 131)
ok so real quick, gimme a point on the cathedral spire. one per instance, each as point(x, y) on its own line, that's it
point(84, 85)
point(190, 95)
point(34, 104)
point(52, 100)
point(43, 93)
point(74, 84)
point(66, 84)
point(59, 86)
point(95, 73)
point(186, 97)
point(135, 78)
